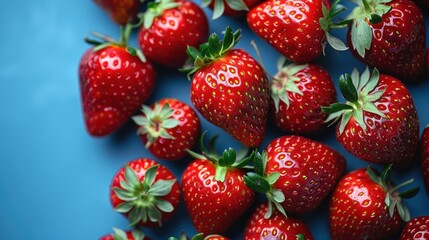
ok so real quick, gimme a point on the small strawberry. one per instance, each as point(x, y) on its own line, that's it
point(119, 234)
point(298, 92)
point(121, 11)
point(389, 35)
point(365, 205)
point(425, 156)
point(276, 227)
point(114, 82)
point(214, 191)
point(168, 28)
point(416, 229)
point(236, 8)
point(230, 88)
point(296, 173)
point(200, 236)
point(145, 192)
point(379, 122)
point(296, 28)
point(168, 128)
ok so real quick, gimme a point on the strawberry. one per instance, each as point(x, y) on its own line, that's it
point(200, 236)
point(296, 28)
point(230, 88)
point(416, 228)
point(276, 227)
point(389, 35)
point(296, 173)
point(121, 11)
point(214, 191)
point(235, 8)
point(298, 92)
point(373, 202)
point(379, 122)
point(425, 156)
point(168, 128)
point(119, 234)
point(168, 28)
point(145, 192)
point(114, 81)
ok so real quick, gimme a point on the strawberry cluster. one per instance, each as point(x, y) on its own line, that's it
point(378, 122)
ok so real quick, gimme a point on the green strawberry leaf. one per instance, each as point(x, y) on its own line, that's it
point(361, 36)
point(347, 88)
point(237, 5)
point(256, 182)
point(218, 9)
point(335, 42)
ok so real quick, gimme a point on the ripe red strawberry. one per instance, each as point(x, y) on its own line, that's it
point(296, 28)
point(425, 156)
point(214, 191)
point(145, 192)
point(389, 35)
point(367, 206)
point(119, 234)
point(168, 28)
point(168, 128)
point(121, 11)
point(296, 173)
point(276, 227)
point(230, 88)
point(114, 82)
point(416, 229)
point(298, 92)
point(379, 122)
point(234, 8)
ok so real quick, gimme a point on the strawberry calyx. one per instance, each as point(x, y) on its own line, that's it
point(122, 235)
point(285, 81)
point(327, 23)
point(260, 182)
point(198, 236)
point(393, 198)
point(102, 41)
point(360, 92)
point(219, 6)
point(155, 9)
point(155, 122)
point(367, 12)
point(211, 50)
point(142, 199)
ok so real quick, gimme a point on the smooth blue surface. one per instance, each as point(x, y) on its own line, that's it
point(55, 178)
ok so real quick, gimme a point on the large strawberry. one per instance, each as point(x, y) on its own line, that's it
point(114, 80)
point(298, 92)
point(168, 128)
point(145, 192)
point(276, 227)
point(214, 191)
point(296, 28)
point(168, 28)
point(230, 88)
point(365, 205)
point(379, 122)
point(121, 11)
point(119, 234)
point(425, 156)
point(296, 173)
point(389, 35)
point(416, 229)
point(234, 8)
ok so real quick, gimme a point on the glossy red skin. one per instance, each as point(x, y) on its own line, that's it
point(129, 236)
point(121, 11)
point(140, 166)
point(185, 134)
point(304, 115)
point(276, 227)
point(394, 139)
point(239, 103)
point(290, 26)
point(113, 85)
point(165, 42)
point(231, 12)
point(425, 157)
point(398, 43)
point(214, 206)
point(308, 171)
point(357, 210)
point(416, 229)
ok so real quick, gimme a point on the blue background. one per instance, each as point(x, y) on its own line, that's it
point(55, 178)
